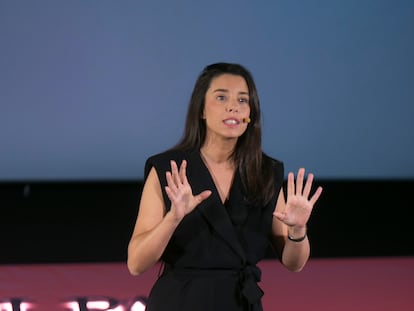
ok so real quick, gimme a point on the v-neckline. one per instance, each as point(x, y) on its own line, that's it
point(226, 196)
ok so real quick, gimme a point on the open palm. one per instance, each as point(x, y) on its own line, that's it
point(180, 193)
point(298, 204)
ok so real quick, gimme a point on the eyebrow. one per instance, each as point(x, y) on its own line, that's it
point(226, 91)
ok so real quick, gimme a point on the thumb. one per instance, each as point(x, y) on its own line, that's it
point(202, 196)
point(280, 216)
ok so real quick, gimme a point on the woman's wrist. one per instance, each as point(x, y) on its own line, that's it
point(172, 219)
point(297, 234)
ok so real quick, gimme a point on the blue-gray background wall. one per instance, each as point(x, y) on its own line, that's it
point(89, 89)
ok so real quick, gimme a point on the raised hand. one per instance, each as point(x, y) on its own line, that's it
point(298, 204)
point(180, 193)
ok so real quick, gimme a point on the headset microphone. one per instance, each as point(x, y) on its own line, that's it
point(246, 120)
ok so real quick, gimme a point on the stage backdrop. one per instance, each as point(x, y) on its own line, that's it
point(380, 284)
point(90, 89)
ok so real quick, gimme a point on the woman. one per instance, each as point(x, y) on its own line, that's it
point(211, 205)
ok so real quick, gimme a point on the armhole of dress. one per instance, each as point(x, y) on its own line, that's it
point(161, 269)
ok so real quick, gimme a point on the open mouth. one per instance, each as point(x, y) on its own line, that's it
point(231, 121)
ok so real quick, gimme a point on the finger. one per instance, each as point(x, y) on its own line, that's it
point(316, 196)
point(202, 196)
point(280, 216)
point(308, 186)
point(183, 172)
point(291, 185)
point(169, 192)
point(174, 173)
point(299, 181)
point(170, 182)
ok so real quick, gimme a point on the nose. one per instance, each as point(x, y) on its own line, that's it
point(231, 106)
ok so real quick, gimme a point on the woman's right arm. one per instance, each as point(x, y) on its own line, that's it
point(153, 228)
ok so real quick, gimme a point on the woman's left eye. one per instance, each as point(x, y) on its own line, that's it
point(243, 100)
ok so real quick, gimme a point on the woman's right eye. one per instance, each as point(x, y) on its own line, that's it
point(221, 97)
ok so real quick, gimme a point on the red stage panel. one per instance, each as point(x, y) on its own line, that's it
point(368, 284)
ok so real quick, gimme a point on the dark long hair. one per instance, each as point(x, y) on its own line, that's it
point(255, 170)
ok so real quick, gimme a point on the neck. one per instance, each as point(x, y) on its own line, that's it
point(217, 154)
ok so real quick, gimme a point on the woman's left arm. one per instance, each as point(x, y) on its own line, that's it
point(290, 220)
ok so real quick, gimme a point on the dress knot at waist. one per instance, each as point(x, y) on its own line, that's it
point(247, 275)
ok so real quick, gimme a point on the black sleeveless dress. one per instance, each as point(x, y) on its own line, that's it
point(210, 261)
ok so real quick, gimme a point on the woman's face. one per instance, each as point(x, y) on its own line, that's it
point(226, 105)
